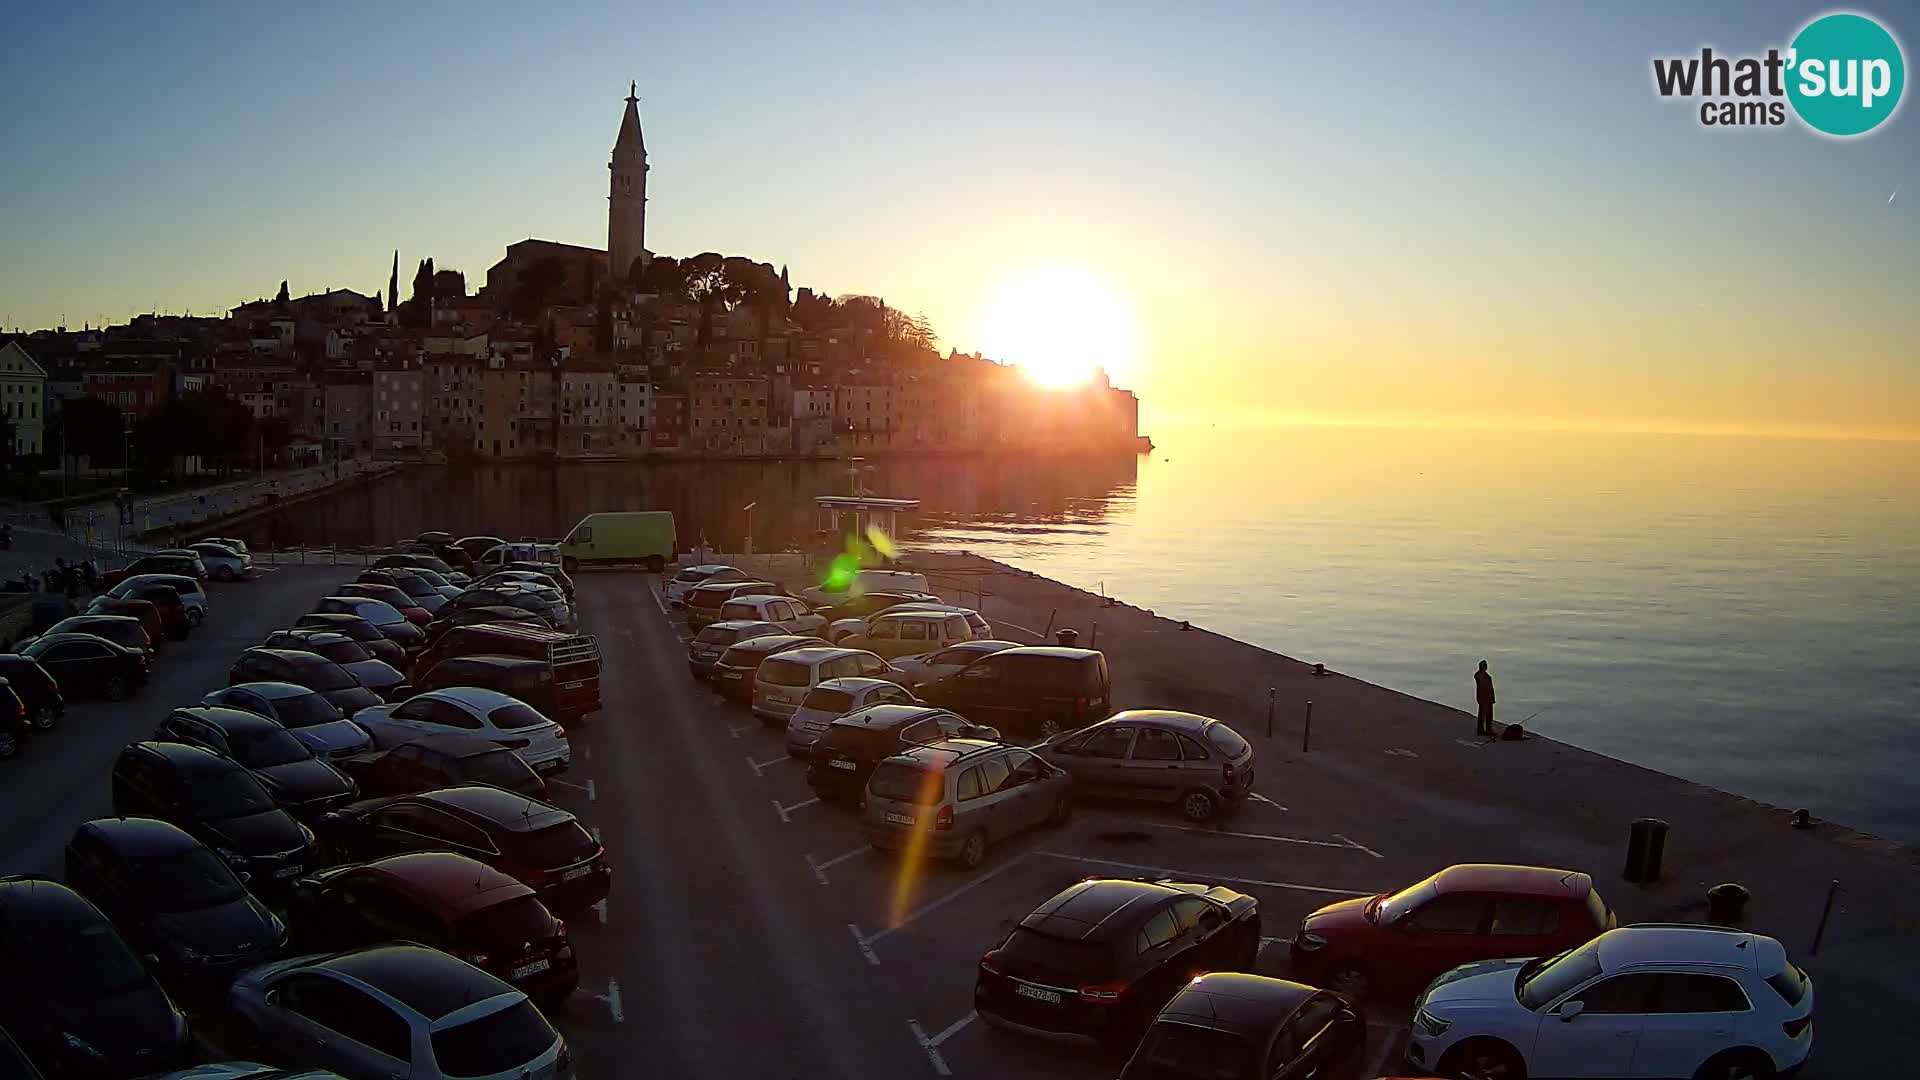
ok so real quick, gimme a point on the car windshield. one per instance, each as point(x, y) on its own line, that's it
point(343, 652)
point(858, 739)
point(266, 748)
point(777, 672)
point(325, 676)
point(378, 612)
point(501, 769)
point(827, 699)
point(718, 635)
point(1545, 979)
point(225, 795)
point(77, 960)
point(1395, 907)
point(1175, 1051)
point(515, 716)
point(305, 710)
point(187, 881)
point(556, 845)
point(415, 585)
point(523, 918)
point(507, 1041)
point(901, 782)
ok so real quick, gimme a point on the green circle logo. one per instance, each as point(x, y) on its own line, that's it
point(1845, 74)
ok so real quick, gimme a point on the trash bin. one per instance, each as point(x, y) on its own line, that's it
point(1066, 637)
point(1646, 845)
point(1727, 904)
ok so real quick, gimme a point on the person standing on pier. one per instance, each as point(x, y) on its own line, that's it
point(1483, 695)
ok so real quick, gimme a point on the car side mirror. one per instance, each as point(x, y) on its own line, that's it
point(1570, 1010)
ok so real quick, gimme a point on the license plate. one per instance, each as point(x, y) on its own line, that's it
point(1051, 997)
point(548, 766)
point(576, 873)
point(286, 872)
point(847, 765)
point(573, 685)
point(534, 968)
point(900, 819)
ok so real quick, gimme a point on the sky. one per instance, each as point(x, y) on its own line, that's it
point(1370, 213)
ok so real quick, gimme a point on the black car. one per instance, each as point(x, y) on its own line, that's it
point(85, 664)
point(444, 900)
point(119, 629)
point(13, 1060)
point(1098, 960)
point(382, 647)
point(450, 618)
point(368, 670)
point(842, 759)
point(302, 668)
point(427, 762)
point(14, 725)
point(313, 719)
point(416, 587)
point(559, 577)
point(1036, 691)
point(73, 995)
point(422, 560)
point(732, 674)
point(218, 802)
point(520, 677)
point(873, 603)
point(1247, 1027)
point(174, 900)
point(304, 784)
point(41, 695)
point(552, 612)
point(540, 844)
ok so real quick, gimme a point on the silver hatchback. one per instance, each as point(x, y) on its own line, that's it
point(951, 799)
point(1196, 763)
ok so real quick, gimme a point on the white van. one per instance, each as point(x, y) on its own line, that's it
point(784, 678)
point(868, 581)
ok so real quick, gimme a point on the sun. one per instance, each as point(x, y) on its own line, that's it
point(1060, 324)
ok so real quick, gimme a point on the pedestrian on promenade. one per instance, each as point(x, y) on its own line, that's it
point(1483, 695)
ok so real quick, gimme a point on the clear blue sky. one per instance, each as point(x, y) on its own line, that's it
point(1486, 203)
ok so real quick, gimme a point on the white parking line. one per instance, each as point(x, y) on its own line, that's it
point(932, 905)
point(587, 751)
point(586, 787)
point(820, 868)
point(759, 767)
point(600, 909)
point(612, 998)
point(1201, 875)
point(1259, 836)
point(735, 729)
point(783, 811)
point(596, 836)
point(660, 600)
point(1257, 797)
point(865, 947)
point(1360, 847)
point(932, 1045)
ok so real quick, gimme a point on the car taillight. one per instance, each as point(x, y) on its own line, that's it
point(1079, 704)
point(477, 959)
point(559, 732)
point(1103, 993)
point(943, 821)
point(559, 928)
point(1793, 1028)
point(1226, 775)
point(990, 961)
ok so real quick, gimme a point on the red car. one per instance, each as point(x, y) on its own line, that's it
point(185, 563)
point(1399, 942)
point(389, 594)
point(174, 621)
point(145, 610)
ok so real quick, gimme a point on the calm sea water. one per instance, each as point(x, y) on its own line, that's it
point(1742, 612)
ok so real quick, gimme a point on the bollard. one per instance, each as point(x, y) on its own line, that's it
point(1727, 904)
point(1646, 845)
point(1306, 732)
point(1820, 931)
point(1095, 637)
point(1066, 637)
point(1269, 712)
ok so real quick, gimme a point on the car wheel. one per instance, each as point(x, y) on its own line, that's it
point(224, 573)
point(115, 688)
point(9, 744)
point(1350, 981)
point(1048, 728)
point(1198, 805)
point(1062, 811)
point(974, 851)
point(44, 718)
point(195, 616)
point(1483, 1059)
point(1738, 1065)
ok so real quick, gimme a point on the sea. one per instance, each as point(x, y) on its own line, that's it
point(1739, 611)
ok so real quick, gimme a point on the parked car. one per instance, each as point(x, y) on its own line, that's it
point(834, 699)
point(536, 842)
point(72, 993)
point(476, 546)
point(779, 689)
point(548, 604)
point(419, 591)
point(219, 803)
point(551, 577)
point(703, 602)
point(183, 562)
point(302, 668)
point(1398, 942)
point(392, 596)
point(926, 667)
point(245, 1070)
point(422, 561)
point(909, 633)
point(844, 757)
point(14, 724)
point(144, 610)
point(569, 664)
point(838, 588)
point(716, 638)
point(307, 713)
point(174, 900)
point(427, 762)
point(525, 680)
point(88, 664)
point(494, 613)
point(620, 536)
point(732, 675)
point(975, 621)
point(382, 678)
point(1663, 1000)
point(847, 614)
point(384, 616)
point(953, 798)
point(792, 616)
point(397, 1010)
point(1249, 1027)
point(441, 583)
point(305, 785)
point(232, 543)
point(1034, 691)
point(675, 588)
point(41, 701)
point(1195, 763)
point(468, 710)
point(223, 563)
point(1103, 956)
point(192, 593)
point(124, 630)
point(13, 1060)
point(384, 649)
point(442, 900)
point(175, 623)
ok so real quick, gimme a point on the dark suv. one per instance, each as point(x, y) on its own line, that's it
point(217, 802)
point(306, 785)
point(380, 645)
point(428, 762)
point(301, 668)
point(1035, 691)
point(844, 758)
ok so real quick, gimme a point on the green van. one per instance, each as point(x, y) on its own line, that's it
point(620, 536)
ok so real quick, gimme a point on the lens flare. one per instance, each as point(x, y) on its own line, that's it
point(881, 542)
point(913, 858)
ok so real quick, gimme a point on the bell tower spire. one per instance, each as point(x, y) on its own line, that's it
point(627, 193)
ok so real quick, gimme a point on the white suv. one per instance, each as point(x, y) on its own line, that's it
point(1652, 1000)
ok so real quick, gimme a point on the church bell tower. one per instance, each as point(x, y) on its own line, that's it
point(627, 195)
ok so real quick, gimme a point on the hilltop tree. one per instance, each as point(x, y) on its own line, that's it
point(282, 298)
